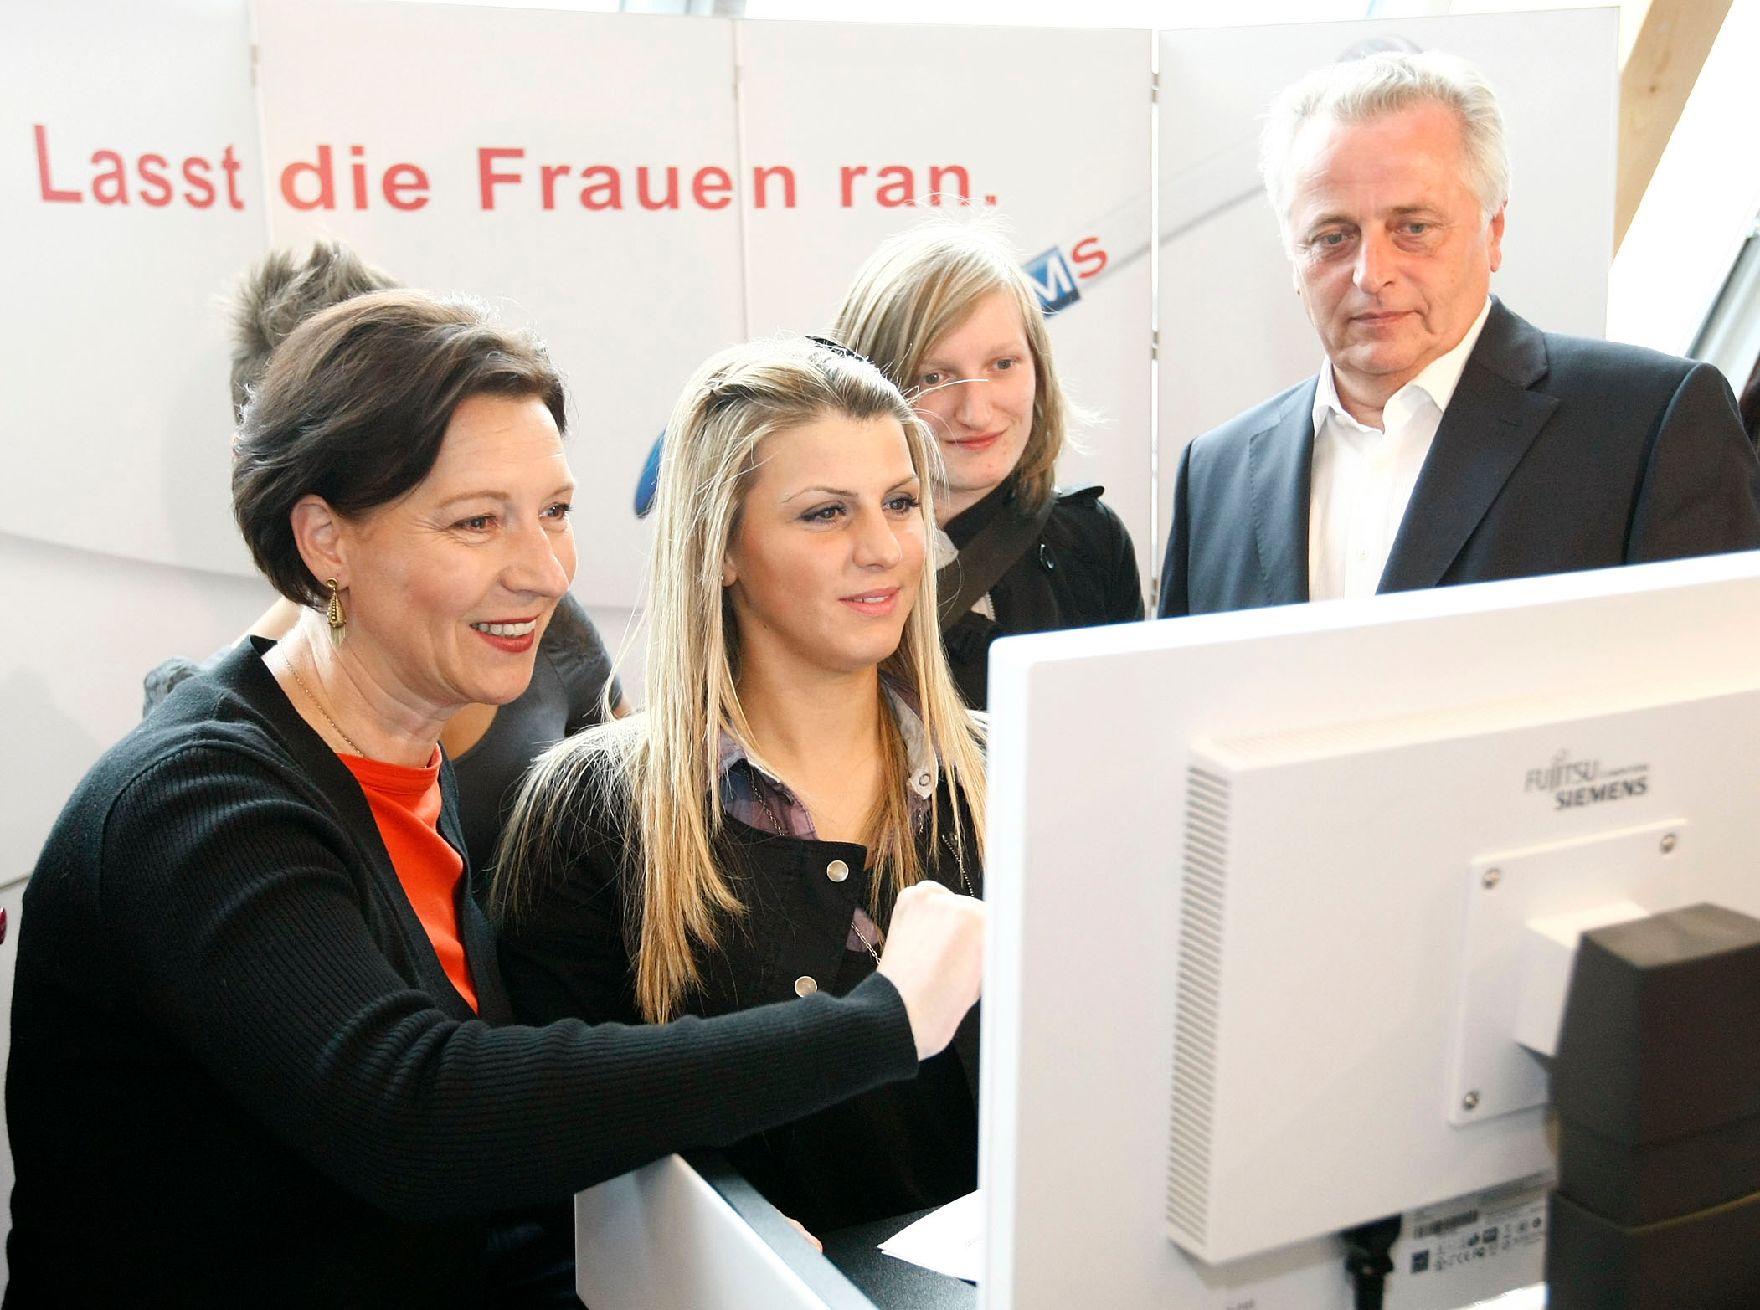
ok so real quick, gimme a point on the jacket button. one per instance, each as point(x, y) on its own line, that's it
point(805, 985)
point(837, 871)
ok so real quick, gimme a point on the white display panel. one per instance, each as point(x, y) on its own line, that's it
point(1353, 1050)
point(1092, 734)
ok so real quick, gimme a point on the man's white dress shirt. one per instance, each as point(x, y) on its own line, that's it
point(1363, 477)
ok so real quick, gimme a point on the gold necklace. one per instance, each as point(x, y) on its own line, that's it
point(313, 697)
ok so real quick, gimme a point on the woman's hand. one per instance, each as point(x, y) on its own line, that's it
point(935, 957)
point(801, 1228)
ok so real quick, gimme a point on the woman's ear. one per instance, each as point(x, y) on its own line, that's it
point(318, 532)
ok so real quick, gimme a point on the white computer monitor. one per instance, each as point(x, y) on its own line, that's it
point(1264, 890)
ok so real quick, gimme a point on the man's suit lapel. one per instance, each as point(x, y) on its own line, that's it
point(1488, 426)
point(1280, 459)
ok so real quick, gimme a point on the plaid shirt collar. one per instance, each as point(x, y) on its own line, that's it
point(753, 794)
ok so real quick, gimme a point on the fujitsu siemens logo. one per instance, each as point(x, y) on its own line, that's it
point(1575, 782)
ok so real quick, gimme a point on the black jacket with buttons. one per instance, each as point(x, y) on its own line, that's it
point(240, 1076)
point(568, 954)
point(1081, 572)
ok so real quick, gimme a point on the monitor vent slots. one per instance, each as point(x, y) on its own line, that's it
point(1204, 878)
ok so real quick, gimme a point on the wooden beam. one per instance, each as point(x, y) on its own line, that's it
point(1658, 76)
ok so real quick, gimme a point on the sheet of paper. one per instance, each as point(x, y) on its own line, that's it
point(950, 1241)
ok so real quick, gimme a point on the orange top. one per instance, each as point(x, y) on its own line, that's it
point(406, 806)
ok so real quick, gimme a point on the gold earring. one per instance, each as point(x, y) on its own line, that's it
point(334, 616)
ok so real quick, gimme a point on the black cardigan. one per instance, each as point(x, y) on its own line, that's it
point(1081, 572)
point(569, 952)
point(239, 1075)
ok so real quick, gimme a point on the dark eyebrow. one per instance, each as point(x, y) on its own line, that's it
point(463, 496)
point(563, 489)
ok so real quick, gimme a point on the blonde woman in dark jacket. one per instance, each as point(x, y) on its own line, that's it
point(803, 760)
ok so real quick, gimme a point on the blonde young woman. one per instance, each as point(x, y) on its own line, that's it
point(946, 312)
point(803, 758)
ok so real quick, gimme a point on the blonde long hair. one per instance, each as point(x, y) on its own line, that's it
point(661, 765)
point(923, 283)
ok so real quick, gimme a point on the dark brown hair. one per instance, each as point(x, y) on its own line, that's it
point(279, 293)
point(354, 406)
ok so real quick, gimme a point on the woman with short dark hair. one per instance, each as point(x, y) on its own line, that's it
point(490, 746)
point(259, 1044)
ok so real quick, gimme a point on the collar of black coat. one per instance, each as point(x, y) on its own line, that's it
point(963, 527)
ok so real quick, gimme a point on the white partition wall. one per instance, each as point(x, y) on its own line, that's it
point(131, 194)
point(573, 167)
point(646, 189)
point(871, 117)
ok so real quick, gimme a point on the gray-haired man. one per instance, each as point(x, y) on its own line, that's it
point(1445, 439)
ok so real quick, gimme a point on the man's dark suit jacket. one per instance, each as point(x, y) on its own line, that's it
point(1555, 453)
